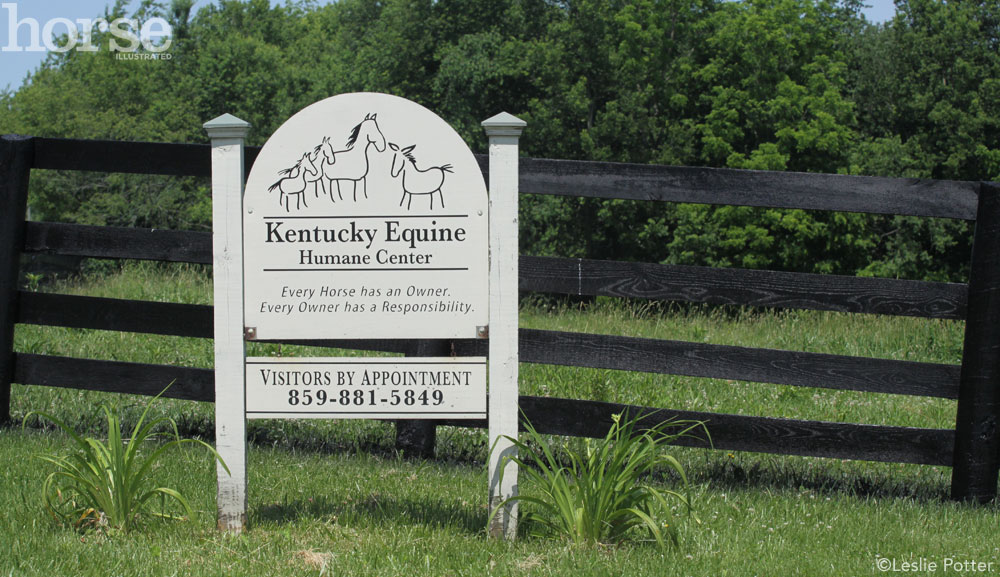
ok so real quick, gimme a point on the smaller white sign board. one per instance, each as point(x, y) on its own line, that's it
point(366, 388)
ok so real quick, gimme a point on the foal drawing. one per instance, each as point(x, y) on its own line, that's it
point(294, 182)
point(416, 181)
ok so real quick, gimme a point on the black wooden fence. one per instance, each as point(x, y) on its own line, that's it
point(971, 448)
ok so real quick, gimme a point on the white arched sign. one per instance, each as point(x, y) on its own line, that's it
point(365, 216)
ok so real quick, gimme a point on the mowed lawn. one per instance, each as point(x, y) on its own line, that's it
point(332, 497)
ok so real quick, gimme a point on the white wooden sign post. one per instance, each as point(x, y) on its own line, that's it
point(503, 131)
point(342, 233)
point(228, 134)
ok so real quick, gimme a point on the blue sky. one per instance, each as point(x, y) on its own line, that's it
point(14, 66)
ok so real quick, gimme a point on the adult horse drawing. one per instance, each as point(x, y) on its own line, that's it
point(351, 164)
point(424, 182)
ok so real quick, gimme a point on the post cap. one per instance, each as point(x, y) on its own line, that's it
point(227, 126)
point(504, 124)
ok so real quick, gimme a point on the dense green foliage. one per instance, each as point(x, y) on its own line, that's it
point(804, 85)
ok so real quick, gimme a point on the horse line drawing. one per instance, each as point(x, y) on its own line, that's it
point(317, 180)
point(421, 182)
point(294, 183)
point(323, 167)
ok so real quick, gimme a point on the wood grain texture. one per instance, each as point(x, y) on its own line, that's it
point(545, 347)
point(762, 288)
point(15, 170)
point(913, 197)
point(554, 416)
point(121, 156)
point(115, 315)
point(576, 276)
point(874, 195)
point(760, 434)
point(549, 415)
point(737, 363)
point(977, 440)
point(165, 158)
point(228, 300)
point(114, 376)
point(119, 242)
point(147, 317)
point(503, 132)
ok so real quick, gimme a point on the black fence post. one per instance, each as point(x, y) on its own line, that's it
point(16, 158)
point(415, 438)
point(976, 459)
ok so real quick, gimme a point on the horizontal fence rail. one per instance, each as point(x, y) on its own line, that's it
point(865, 194)
point(727, 286)
point(761, 288)
point(739, 363)
point(802, 369)
point(80, 312)
point(188, 383)
point(118, 242)
point(975, 469)
point(571, 417)
point(126, 157)
point(549, 415)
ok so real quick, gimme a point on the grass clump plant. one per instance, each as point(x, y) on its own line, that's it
point(601, 494)
point(112, 485)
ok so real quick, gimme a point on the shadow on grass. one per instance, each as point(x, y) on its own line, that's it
point(377, 509)
point(749, 471)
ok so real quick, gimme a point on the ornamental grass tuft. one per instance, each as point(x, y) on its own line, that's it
point(600, 494)
point(111, 485)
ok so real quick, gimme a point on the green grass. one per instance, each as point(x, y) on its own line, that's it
point(330, 497)
point(368, 515)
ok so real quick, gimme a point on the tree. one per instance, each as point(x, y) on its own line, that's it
point(804, 85)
